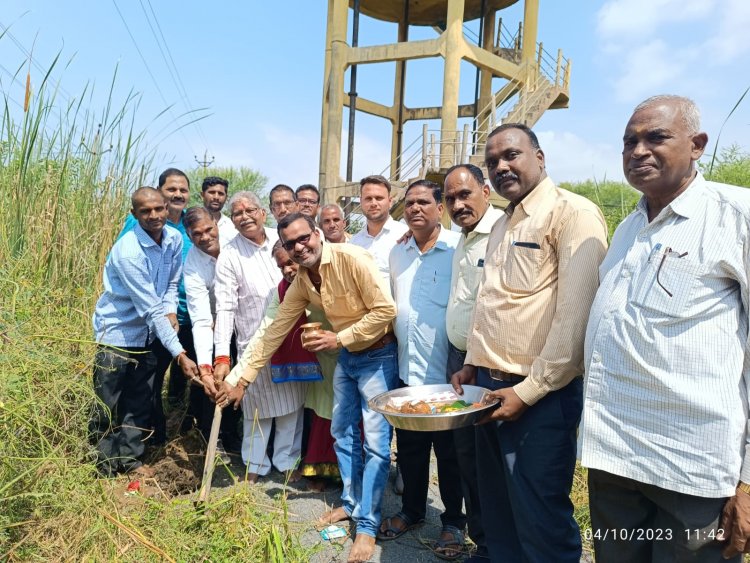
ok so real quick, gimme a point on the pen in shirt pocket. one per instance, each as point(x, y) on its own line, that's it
point(654, 251)
point(520, 244)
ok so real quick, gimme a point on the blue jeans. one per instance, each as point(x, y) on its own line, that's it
point(525, 471)
point(357, 379)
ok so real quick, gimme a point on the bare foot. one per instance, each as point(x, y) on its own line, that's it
point(362, 550)
point(252, 478)
point(334, 515)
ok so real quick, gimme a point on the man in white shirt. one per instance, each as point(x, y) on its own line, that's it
point(199, 273)
point(467, 199)
point(381, 232)
point(214, 192)
point(246, 281)
point(664, 431)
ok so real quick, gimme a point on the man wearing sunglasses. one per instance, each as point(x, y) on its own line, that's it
point(344, 281)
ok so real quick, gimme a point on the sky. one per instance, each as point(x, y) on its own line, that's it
point(253, 72)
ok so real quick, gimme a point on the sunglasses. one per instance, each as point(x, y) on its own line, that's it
point(291, 244)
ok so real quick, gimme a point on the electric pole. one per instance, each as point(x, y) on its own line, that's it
point(205, 163)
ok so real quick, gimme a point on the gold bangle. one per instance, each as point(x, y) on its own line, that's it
point(244, 383)
point(744, 487)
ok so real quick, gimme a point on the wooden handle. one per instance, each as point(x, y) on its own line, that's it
point(208, 465)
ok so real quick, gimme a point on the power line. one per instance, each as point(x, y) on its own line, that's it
point(148, 69)
point(178, 82)
point(6, 31)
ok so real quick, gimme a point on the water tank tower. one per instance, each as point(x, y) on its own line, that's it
point(533, 81)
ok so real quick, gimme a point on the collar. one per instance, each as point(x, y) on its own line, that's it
point(387, 227)
point(687, 204)
point(537, 196)
point(440, 244)
point(178, 224)
point(325, 257)
point(255, 244)
point(144, 238)
point(488, 220)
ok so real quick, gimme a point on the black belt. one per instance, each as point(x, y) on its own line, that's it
point(384, 341)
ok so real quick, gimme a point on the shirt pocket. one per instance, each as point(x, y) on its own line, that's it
point(438, 288)
point(667, 286)
point(522, 266)
point(341, 300)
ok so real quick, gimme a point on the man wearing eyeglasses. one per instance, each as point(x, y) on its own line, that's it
point(344, 281)
point(667, 374)
point(282, 201)
point(246, 281)
point(308, 200)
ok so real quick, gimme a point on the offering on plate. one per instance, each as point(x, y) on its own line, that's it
point(433, 403)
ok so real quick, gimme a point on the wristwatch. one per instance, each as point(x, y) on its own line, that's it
point(338, 341)
point(744, 487)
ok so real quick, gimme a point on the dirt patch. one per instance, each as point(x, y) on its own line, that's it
point(179, 465)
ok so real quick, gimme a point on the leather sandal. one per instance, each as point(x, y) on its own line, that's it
point(392, 532)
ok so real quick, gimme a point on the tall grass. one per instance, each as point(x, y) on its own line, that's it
point(65, 172)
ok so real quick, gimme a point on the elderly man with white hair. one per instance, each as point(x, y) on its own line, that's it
point(246, 281)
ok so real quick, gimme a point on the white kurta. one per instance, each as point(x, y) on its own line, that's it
point(246, 281)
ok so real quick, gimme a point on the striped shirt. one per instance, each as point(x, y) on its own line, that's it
point(246, 282)
point(227, 230)
point(540, 277)
point(466, 274)
point(140, 289)
point(667, 374)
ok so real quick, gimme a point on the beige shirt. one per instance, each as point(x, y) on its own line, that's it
point(468, 265)
point(540, 278)
point(353, 296)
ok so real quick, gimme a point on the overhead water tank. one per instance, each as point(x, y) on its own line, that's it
point(425, 12)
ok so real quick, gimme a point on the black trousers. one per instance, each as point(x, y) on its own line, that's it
point(465, 445)
point(124, 382)
point(414, 461)
point(633, 521)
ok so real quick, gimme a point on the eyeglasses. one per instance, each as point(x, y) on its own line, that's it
point(247, 210)
point(667, 252)
point(280, 204)
point(306, 201)
point(291, 244)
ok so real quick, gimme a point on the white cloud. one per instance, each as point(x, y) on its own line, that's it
point(569, 158)
point(624, 20)
point(651, 68)
point(731, 39)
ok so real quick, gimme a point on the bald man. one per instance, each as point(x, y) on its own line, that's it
point(140, 293)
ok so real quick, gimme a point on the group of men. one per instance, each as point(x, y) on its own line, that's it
point(523, 302)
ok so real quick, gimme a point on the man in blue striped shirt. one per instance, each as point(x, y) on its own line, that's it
point(140, 294)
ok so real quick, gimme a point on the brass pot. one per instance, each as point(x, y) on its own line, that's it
point(309, 330)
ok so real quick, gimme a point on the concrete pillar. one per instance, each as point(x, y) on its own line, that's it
point(335, 95)
point(530, 20)
point(397, 122)
point(324, 112)
point(454, 44)
point(485, 78)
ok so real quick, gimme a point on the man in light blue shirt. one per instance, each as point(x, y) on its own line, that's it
point(140, 291)
point(174, 185)
point(420, 272)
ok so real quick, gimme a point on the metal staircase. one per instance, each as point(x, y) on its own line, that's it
point(522, 99)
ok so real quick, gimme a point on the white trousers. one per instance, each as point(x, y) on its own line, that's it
point(287, 442)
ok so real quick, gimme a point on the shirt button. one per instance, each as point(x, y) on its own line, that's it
point(596, 357)
point(626, 274)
